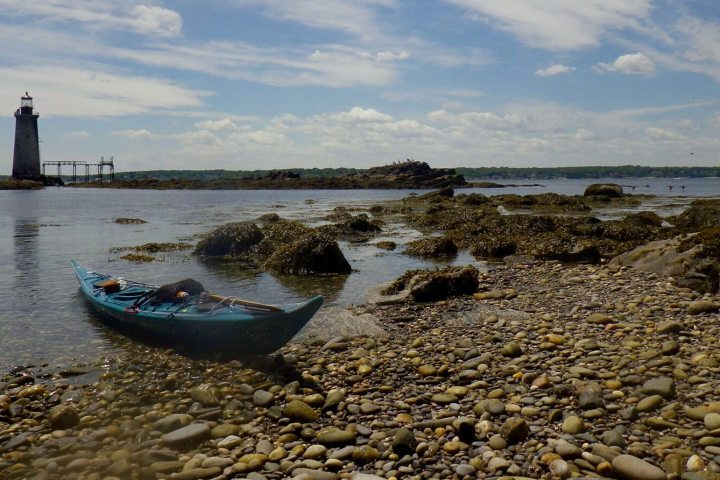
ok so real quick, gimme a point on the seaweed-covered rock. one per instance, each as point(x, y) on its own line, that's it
point(433, 285)
point(231, 239)
point(442, 193)
point(310, 254)
point(492, 246)
point(612, 190)
point(700, 214)
point(386, 245)
point(554, 202)
point(354, 226)
point(432, 247)
point(473, 199)
point(276, 235)
point(646, 218)
point(269, 218)
point(130, 221)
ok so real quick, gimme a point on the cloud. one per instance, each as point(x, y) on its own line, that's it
point(360, 115)
point(348, 16)
point(558, 25)
point(78, 134)
point(83, 92)
point(99, 15)
point(223, 124)
point(157, 20)
point(553, 70)
point(663, 134)
point(391, 56)
point(629, 64)
point(134, 134)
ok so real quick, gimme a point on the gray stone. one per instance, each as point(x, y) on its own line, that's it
point(589, 398)
point(189, 435)
point(172, 422)
point(263, 398)
point(567, 450)
point(334, 436)
point(630, 467)
point(663, 386)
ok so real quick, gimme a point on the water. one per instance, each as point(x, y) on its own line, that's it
point(44, 319)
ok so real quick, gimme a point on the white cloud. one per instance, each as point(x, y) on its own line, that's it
point(392, 56)
point(360, 115)
point(552, 70)
point(158, 20)
point(77, 92)
point(559, 24)
point(663, 134)
point(134, 134)
point(223, 124)
point(77, 134)
point(629, 64)
point(348, 16)
point(99, 15)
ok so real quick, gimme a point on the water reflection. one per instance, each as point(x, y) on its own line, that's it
point(27, 264)
point(328, 286)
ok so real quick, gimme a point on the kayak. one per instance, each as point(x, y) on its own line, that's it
point(199, 319)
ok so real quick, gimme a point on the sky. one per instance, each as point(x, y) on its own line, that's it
point(262, 84)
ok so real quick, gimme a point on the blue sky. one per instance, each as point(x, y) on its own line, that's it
point(248, 84)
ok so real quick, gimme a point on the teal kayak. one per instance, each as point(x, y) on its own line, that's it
point(202, 320)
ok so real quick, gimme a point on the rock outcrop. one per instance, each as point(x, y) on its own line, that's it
point(311, 254)
point(612, 190)
point(232, 239)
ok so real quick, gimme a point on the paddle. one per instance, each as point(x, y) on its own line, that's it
point(246, 303)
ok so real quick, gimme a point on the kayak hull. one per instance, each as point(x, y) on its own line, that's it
point(224, 327)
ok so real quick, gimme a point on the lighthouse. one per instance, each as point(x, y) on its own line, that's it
point(26, 158)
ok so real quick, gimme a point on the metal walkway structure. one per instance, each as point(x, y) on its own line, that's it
point(87, 166)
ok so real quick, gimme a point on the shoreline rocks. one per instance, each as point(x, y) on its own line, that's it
point(570, 371)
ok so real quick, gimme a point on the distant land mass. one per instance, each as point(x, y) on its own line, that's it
point(491, 173)
point(405, 174)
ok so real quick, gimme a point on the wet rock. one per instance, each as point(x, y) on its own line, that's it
point(63, 416)
point(172, 422)
point(190, 435)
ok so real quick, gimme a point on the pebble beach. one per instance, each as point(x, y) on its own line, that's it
point(548, 371)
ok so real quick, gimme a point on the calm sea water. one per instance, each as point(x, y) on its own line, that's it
point(44, 319)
